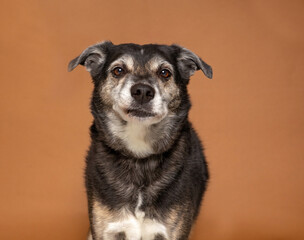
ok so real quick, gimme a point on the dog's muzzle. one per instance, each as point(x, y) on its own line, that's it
point(142, 93)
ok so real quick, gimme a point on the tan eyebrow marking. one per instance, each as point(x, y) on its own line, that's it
point(126, 60)
point(155, 63)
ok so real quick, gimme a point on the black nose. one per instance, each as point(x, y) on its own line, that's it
point(142, 93)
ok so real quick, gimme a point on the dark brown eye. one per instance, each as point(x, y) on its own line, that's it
point(118, 72)
point(165, 73)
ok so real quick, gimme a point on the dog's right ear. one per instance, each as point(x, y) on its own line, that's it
point(92, 58)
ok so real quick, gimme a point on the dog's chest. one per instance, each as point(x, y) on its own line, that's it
point(133, 226)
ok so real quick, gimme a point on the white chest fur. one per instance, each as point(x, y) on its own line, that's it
point(134, 136)
point(135, 229)
point(134, 226)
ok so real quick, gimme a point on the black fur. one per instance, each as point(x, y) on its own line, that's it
point(175, 176)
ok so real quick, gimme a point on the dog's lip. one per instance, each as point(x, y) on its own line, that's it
point(139, 113)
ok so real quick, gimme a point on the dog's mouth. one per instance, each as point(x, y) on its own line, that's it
point(140, 113)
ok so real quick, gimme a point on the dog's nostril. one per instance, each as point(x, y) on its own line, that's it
point(138, 92)
point(149, 94)
point(142, 93)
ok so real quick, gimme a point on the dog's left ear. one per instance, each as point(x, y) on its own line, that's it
point(92, 58)
point(188, 63)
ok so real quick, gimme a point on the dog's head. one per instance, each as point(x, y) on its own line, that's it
point(139, 85)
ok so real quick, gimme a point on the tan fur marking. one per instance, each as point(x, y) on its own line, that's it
point(101, 215)
point(113, 84)
point(154, 63)
point(126, 60)
point(175, 222)
point(170, 92)
point(169, 89)
point(106, 90)
point(111, 89)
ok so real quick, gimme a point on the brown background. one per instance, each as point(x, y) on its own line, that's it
point(250, 116)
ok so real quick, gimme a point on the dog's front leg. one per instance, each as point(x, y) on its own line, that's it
point(90, 236)
point(100, 216)
point(109, 224)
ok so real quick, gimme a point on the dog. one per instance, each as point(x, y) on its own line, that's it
point(145, 170)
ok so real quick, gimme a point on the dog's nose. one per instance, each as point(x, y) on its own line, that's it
point(142, 93)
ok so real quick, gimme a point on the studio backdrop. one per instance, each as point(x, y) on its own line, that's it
point(249, 116)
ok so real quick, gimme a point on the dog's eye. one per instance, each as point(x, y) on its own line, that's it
point(118, 72)
point(165, 73)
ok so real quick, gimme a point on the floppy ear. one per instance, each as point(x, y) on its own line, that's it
point(188, 63)
point(92, 58)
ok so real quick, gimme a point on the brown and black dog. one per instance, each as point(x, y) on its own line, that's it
point(145, 170)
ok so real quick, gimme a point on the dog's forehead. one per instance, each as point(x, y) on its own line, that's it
point(133, 55)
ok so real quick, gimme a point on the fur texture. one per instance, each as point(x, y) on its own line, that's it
point(145, 169)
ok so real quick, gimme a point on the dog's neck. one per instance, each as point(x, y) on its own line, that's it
point(135, 138)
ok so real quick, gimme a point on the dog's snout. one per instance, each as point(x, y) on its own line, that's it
point(142, 93)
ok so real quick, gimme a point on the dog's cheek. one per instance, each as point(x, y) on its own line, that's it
point(174, 104)
point(107, 89)
point(171, 93)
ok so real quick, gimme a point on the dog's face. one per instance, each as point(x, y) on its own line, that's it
point(140, 84)
point(140, 87)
